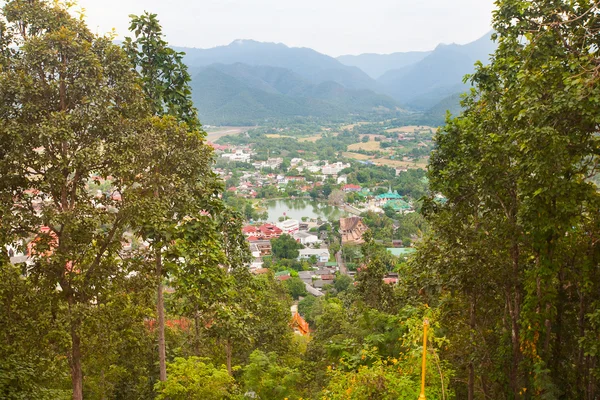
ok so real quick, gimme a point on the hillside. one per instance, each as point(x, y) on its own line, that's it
point(437, 76)
point(309, 64)
point(240, 94)
point(378, 64)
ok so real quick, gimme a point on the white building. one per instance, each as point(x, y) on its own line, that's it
point(239, 155)
point(289, 226)
point(342, 179)
point(334, 169)
point(321, 254)
point(306, 238)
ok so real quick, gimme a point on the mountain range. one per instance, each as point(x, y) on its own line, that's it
point(247, 82)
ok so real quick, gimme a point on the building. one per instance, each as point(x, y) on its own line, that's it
point(352, 230)
point(269, 231)
point(342, 179)
point(351, 188)
point(306, 238)
point(250, 231)
point(322, 255)
point(334, 169)
point(289, 226)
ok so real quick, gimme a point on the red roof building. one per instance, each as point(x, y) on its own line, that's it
point(351, 188)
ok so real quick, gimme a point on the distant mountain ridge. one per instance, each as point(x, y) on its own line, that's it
point(241, 94)
point(247, 81)
point(437, 76)
point(310, 64)
point(376, 65)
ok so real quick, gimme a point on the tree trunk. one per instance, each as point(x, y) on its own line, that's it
point(228, 353)
point(160, 311)
point(471, 386)
point(76, 370)
point(197, 331)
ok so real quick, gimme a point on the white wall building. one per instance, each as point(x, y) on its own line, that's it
point(306, 238)
point(289, 226)
point(321, 254)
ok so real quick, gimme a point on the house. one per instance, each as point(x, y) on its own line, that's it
point(351, 188)
point(250, 231)
point(321, 254)
point(306, 238)
point(352, 230)
point(289, 226)
point(334, 169)
point(269, 231)
point(342, 179)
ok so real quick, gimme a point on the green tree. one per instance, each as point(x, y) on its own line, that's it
point(181, 177)
point(286, 247)
point(295, 287)
point(71, 111)
point(513, 242)
point(196, 378)
point(268, 378)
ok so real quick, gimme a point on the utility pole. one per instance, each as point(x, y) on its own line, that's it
point(424, 361)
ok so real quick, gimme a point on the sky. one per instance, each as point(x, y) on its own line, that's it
point(333, 27)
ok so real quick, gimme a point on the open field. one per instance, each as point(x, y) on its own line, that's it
point(351, 126)
point(371, 145)
point(277, 136)
point(216, 133)
point(411, 129)
point(355, 156)
point(399, 163)
point(309, 139)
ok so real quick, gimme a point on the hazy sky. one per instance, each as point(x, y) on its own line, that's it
point(333, 27)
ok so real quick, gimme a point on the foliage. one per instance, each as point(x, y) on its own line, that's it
point(286, 247)
point(196, 378)
point(296, 287)
point(265, 376)
point(512, 260)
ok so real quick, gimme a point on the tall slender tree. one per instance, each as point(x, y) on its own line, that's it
point(165, 82)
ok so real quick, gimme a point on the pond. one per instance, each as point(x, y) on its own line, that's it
point(298, 208)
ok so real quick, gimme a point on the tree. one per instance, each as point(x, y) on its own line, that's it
point(268, 378)
point(72, 112)
point(514, 241)
point(196, 378)
point(342, 283)
point(286, 247)
point(165, 82)
point(296, 287)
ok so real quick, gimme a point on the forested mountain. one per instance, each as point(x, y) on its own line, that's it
point(248, 81)
point(439, 75)
point(378, 64)
point(310, 64)
point(243, 94)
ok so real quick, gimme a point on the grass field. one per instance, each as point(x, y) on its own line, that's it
point(309, 139)
point(399, 163)
point(355, 156)
point(351, 126)
point(213, 134)
point(371, 145)
point(277, 136)
point(411, 129)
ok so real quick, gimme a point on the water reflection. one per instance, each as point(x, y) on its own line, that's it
point(298, 208)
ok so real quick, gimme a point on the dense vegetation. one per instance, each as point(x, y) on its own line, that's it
point(137, 285)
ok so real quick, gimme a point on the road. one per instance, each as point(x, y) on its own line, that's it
point(340, 262)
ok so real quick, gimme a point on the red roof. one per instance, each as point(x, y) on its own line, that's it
point(232, 189)
point(249, 229)
point(351, 186)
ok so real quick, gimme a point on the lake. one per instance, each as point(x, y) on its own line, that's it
point(298, 208)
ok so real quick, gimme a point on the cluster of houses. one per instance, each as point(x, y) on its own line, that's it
point(259, 238)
